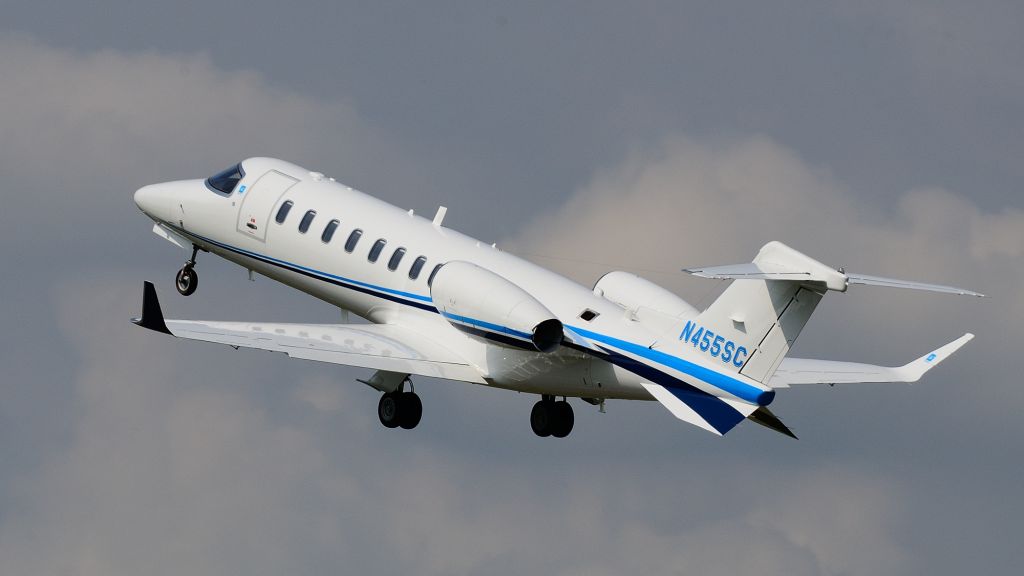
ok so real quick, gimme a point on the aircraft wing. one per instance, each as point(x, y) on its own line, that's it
point(793, 371)
point(378, 346)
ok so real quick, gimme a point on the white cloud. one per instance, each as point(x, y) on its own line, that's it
point(689, 203)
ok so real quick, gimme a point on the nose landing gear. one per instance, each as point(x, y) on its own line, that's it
point(187, 280)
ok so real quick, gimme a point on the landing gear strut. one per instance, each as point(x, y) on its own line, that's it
point(551, 418)
point(187, 280)
point(400, 408)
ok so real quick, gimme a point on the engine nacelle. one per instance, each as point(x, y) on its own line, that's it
point(647, 302)
point(488, 306)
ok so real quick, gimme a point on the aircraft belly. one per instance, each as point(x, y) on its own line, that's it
point(563, 373)
point(358, 303)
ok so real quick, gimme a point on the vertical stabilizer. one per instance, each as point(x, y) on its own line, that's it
point(757, 320)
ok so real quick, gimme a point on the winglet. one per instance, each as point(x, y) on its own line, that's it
point(152, 317)
point(913, 371)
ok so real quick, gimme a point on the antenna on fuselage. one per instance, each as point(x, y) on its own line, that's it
point(439, 217)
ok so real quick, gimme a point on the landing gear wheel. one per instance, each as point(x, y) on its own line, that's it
point(400, 409)
point(542, 418)
point(186, 280)
point(388, 410)
point(550, 418)
point(410, 410)
point(563, 420)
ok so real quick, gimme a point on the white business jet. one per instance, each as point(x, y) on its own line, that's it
point(444, 305)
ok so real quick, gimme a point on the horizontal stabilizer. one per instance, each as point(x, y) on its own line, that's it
point(752, 271)
point(793, 371)
point(865, 280)
point(776, 261)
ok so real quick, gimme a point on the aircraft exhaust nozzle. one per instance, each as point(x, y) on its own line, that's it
point(547, 336)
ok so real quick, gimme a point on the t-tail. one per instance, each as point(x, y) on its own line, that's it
point(749, 330)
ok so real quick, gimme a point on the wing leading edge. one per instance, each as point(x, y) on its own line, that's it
point(377, 346)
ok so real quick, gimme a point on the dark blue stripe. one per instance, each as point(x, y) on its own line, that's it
point(488, 326)
point(720, 415)
point(496, 337)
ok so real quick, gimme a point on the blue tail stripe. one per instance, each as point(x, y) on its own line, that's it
point(731, 385)
point(717, 413)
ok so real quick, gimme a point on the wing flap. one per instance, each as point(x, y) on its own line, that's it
point(795, 371)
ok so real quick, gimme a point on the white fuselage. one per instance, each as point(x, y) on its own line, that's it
point(243, 230)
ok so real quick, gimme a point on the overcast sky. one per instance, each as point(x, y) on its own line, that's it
point(883, 136)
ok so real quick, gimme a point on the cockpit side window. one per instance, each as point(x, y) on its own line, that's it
point(224, 182)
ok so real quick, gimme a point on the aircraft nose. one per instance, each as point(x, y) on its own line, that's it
point(146, 199)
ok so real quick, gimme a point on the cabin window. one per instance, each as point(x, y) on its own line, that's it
point(396, 259)
point(224, 182)
point(329, 231)
point(282, 212)
point(417, 266)
point(588, 315)
point(378, 246)
point(430, 279)
point(353, 239)
point(307, 219)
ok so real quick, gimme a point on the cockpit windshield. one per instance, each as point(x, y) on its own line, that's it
point(225, 182)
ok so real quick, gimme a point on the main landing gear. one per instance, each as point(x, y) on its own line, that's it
point(400, 408)
point(551, 418)
point(187, 280)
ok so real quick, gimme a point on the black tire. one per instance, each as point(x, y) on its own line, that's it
point(186, 281)
point(563, 420)
point(389, 410)
point(542, 418)
point(410, 410)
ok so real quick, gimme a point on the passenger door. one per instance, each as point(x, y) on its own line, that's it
point(257, 202)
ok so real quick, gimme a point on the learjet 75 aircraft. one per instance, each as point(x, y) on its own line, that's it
point(444, 305)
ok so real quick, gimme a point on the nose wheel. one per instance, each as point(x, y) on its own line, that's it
point(187, 279)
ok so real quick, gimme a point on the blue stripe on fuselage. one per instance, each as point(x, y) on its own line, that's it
point(733, 386)
point(359, 286)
